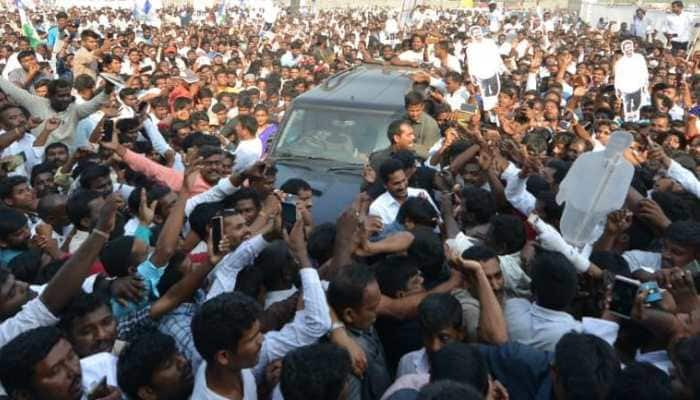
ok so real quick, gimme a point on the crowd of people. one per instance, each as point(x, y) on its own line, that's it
point(144, 254)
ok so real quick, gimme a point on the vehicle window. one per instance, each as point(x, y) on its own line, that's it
point(342, 135)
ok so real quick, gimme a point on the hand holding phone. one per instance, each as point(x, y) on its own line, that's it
point(624, 294)
point(217, 232)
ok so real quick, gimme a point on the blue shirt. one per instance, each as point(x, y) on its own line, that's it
point(523, 370)
point(151, 275)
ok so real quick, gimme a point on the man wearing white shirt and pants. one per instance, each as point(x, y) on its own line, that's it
point(485, 63)
point(631, 80)
point(677, 27)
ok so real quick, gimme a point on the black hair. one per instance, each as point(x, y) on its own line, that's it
point(439, 311)
point(448, 390)
point(141, 359)
point(220, 323)
point(248, 123)
point(77, 206)
point(24, 54)
point(551, 208)
point(460, 362)
point(79, 306)
point(675, 207)
point(388, 167)
point(428, 251)
point(686, 357)
point(316, 372)
point(55, 145)
point(199, 139)
point(347, 288)
point(554, 280)
point(413, 98)
point(83, 82)
point(243, 194)
point(172, 274)
point(19, 357)
point(155, 192)
point(320, 242)
point(509, 231)
point(560, 167)
point(419, 210)
point(407, 158)
point(91, 173)
point(116, 255)
point(393, 274)
point(586, 366)
point(684, 233)
point(201, 217)
point(641, 381)
point(7, 185)
point(11, 221)
point(479, 253)
point(274, 261)
point(611, 261)
point(42, 168)
point(479, 202)
point(294, 185)
point(395, 128)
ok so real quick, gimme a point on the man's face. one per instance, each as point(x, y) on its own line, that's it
point(13, 118)
point(211, 171)
point(417, 43)
point(62, 23)
point(236, 229)
point(675, 255)
point(44, 184)
point(61, 99)
point(603, 133)
point(397, 185)
point(364, 316)
point(58, 376)
point(28, 62)
point(102, 185)
point(90, 43)
point(173, 380)
point(248, 349)
point(598, 76)
point(264, 186)
point(447, 335)
point(57, 155)
point(22, 197)
point(676, 8)
point(93, 333)
point(414, 112)
point(306, 198)
point(247, 208)
point(660, 124)
point(13, 295)
point(130, 100)
point(628, 49)
point(405, 140)
point(473, 175)
point(492, 269)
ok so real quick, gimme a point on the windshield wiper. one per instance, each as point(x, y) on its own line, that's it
point(287, 157)
point(346, 168)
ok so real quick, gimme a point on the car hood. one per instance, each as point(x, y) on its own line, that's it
point(333, 191)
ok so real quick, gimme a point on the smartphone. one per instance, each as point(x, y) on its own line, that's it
point(624, 293)
point(108, 130)
point(289, 211)
point(147, 68)
point(425, 65)
point(217, 232)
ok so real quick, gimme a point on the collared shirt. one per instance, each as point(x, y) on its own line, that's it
point(387, 207)
point(227, 269)
point(177, 324)
point(631, 73)
point(415, 362)
point(523, 370)
point(541, 328)
point(457, 99)
point(34, 314)
point(288, 60)
point(376, 379)
point(679, 25)
point(97, 366)
point(85, 62)
point(427, 132)
point(411, 381)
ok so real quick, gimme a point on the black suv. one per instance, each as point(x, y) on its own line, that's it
point(329, 132)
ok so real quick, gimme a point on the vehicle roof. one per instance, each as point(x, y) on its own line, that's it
point(367, 86)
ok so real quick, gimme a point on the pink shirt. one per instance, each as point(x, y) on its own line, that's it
point(168, 176)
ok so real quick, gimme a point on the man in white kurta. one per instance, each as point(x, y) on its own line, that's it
point(631, 80)
point(485, 64)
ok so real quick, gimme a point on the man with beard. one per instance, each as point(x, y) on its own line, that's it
point(60, 105)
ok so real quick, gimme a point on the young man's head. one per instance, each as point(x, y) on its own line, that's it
point(643, 381)
point(226, 332)
point(13, 294)
point(681, 244)
point(14, 231)
point(247, 202)
point(506, 234)
point(83, 207)
point(121, 256)
point(398, 276)
point(97, 178)
point(415, 104)
point(299, 188)
point(56, 153)
point(41, 364)
point(151, 368)
point(401, 135)
point(42, 179)
point(246, 128)
point(354, 295)
point(60, 96)
point(392, 174)
point(89, 325)
point(52, 210)
point(492, 268)
point(319, 371)
point(13, 116)
point(585, 367)
point(16, 193)
point(462, 363)
point(212, 158)
point(441, 321)
point(554, 280)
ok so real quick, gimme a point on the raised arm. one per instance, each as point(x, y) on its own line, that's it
point(69, 279)
point(169, 235)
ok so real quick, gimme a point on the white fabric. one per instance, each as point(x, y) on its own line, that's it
point(679, 25)
point(684, 177)
point(415, 362)
point(202, 392)
point(247, 153)
point(34, 314)
point(631, 73)
point(483, 59)
point(97, 366)
point(386, 207)
point(227, 269)
point(639, 259)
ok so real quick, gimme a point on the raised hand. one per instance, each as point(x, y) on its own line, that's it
point(146, 211)
point(108, 213)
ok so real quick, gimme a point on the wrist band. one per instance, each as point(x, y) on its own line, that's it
point(101, 233)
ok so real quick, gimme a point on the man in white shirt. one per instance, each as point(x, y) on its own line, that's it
point(397, 192)
point(631, 80)
point(250, 147)
point(293, 57)
point(414, 57)
point(677, 26)
point(457, 94)
point(444, 60)
point(495, 17)
point(484, 64)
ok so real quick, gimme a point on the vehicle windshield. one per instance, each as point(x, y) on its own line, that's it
point(347, 136)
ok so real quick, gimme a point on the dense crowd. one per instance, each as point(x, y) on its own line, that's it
point(143, 249)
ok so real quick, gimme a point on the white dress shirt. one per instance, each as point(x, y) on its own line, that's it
point(412, 56)
point(247, 153)
point(201, 390)
point(631, 73)
point(541, 328)
point(453, 63)
point(34, 314)
point(32, 155)
point(97, 366)
point(680, 25)
point(684, 177)
point(415, 362)
point(387, 207)
point(516, 190)
point(456, 99)
point(227, 269)
point(483, 59)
